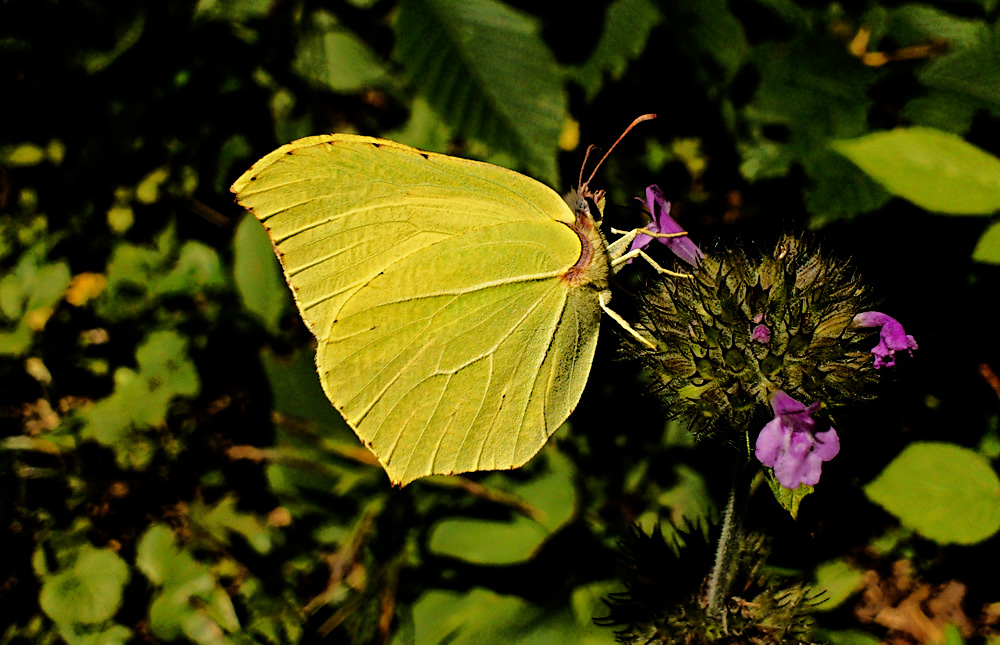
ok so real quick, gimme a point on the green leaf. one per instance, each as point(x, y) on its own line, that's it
point(935, 170)
point(190, 602)
point(710, 28)
point(486, 70)
point(482, 616)
point(788, 499)
point(258, 275)
point(627, 25)
point(972, 69)
point(552, 495)
point(224, 518)
point(142, 399)
point(88, 592)
point(988, 246)
point(837, 580)
point(945, 492)
point(331, 56)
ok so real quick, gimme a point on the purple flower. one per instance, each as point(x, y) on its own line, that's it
point(790, 445)
point(761, 334)
point(893, 338)
point(659, 208)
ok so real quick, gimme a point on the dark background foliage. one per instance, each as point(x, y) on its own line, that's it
point(169, 468)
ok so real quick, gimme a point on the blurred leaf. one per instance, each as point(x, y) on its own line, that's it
point(331, 56)
point(190, 601)
point(916, 24)
point(810, 90)
point(837, 580)
point(257, 274)
point(233, 10)
point(945, 492)
point(482, 616)
point(298, 393)
point(88, 592)
point(712, 29)
point(552, 494)
point(138, 275)
point(839, 188)
point(424, 129)
point(148, 190)
point(988, 246)
point(689, 500)
point(935, 170)
point(487, 72)
point(25, 154)
point(224, 517)
point(127, 34)
point(626, 28)
point(141, 399)
point(943, 110)
point(972, 69)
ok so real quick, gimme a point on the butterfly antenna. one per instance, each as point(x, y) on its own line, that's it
point(644, 117)
point(586, 156)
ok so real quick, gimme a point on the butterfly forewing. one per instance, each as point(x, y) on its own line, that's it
point(448, 338)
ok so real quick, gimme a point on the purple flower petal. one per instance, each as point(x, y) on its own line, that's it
point(659, 208)
point(789, 445)
point(892, 338)
point(761, 334)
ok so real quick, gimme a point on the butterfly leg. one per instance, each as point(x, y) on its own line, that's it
point(619, 256)
point(603, 299)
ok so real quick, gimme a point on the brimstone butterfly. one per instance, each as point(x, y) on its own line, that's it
point(456, 304)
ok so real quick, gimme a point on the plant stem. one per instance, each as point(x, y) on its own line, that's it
point(718, 583)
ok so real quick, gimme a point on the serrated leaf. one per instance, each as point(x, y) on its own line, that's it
point(89, 592)
point(972, 69)
point(840, 189)
point(257, 274)
point(626, 28)
point(945, 492)
point(710, 28)
point(935, 170)
point(988, 246)
point(486, 70)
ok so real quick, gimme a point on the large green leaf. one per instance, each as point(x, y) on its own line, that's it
point(933, 169)
point(483, 616)
point(553, 498)
point(485, 68)
point(945, 492)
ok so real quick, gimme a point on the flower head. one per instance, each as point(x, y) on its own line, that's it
point(790, 445)
point(893, 338)
point(659, 208)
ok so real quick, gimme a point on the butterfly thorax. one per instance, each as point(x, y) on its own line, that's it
point(593, 266)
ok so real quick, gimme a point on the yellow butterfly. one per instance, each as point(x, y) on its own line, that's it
point(456, 304)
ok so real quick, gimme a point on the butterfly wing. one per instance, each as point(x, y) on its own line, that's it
point(447, 335)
